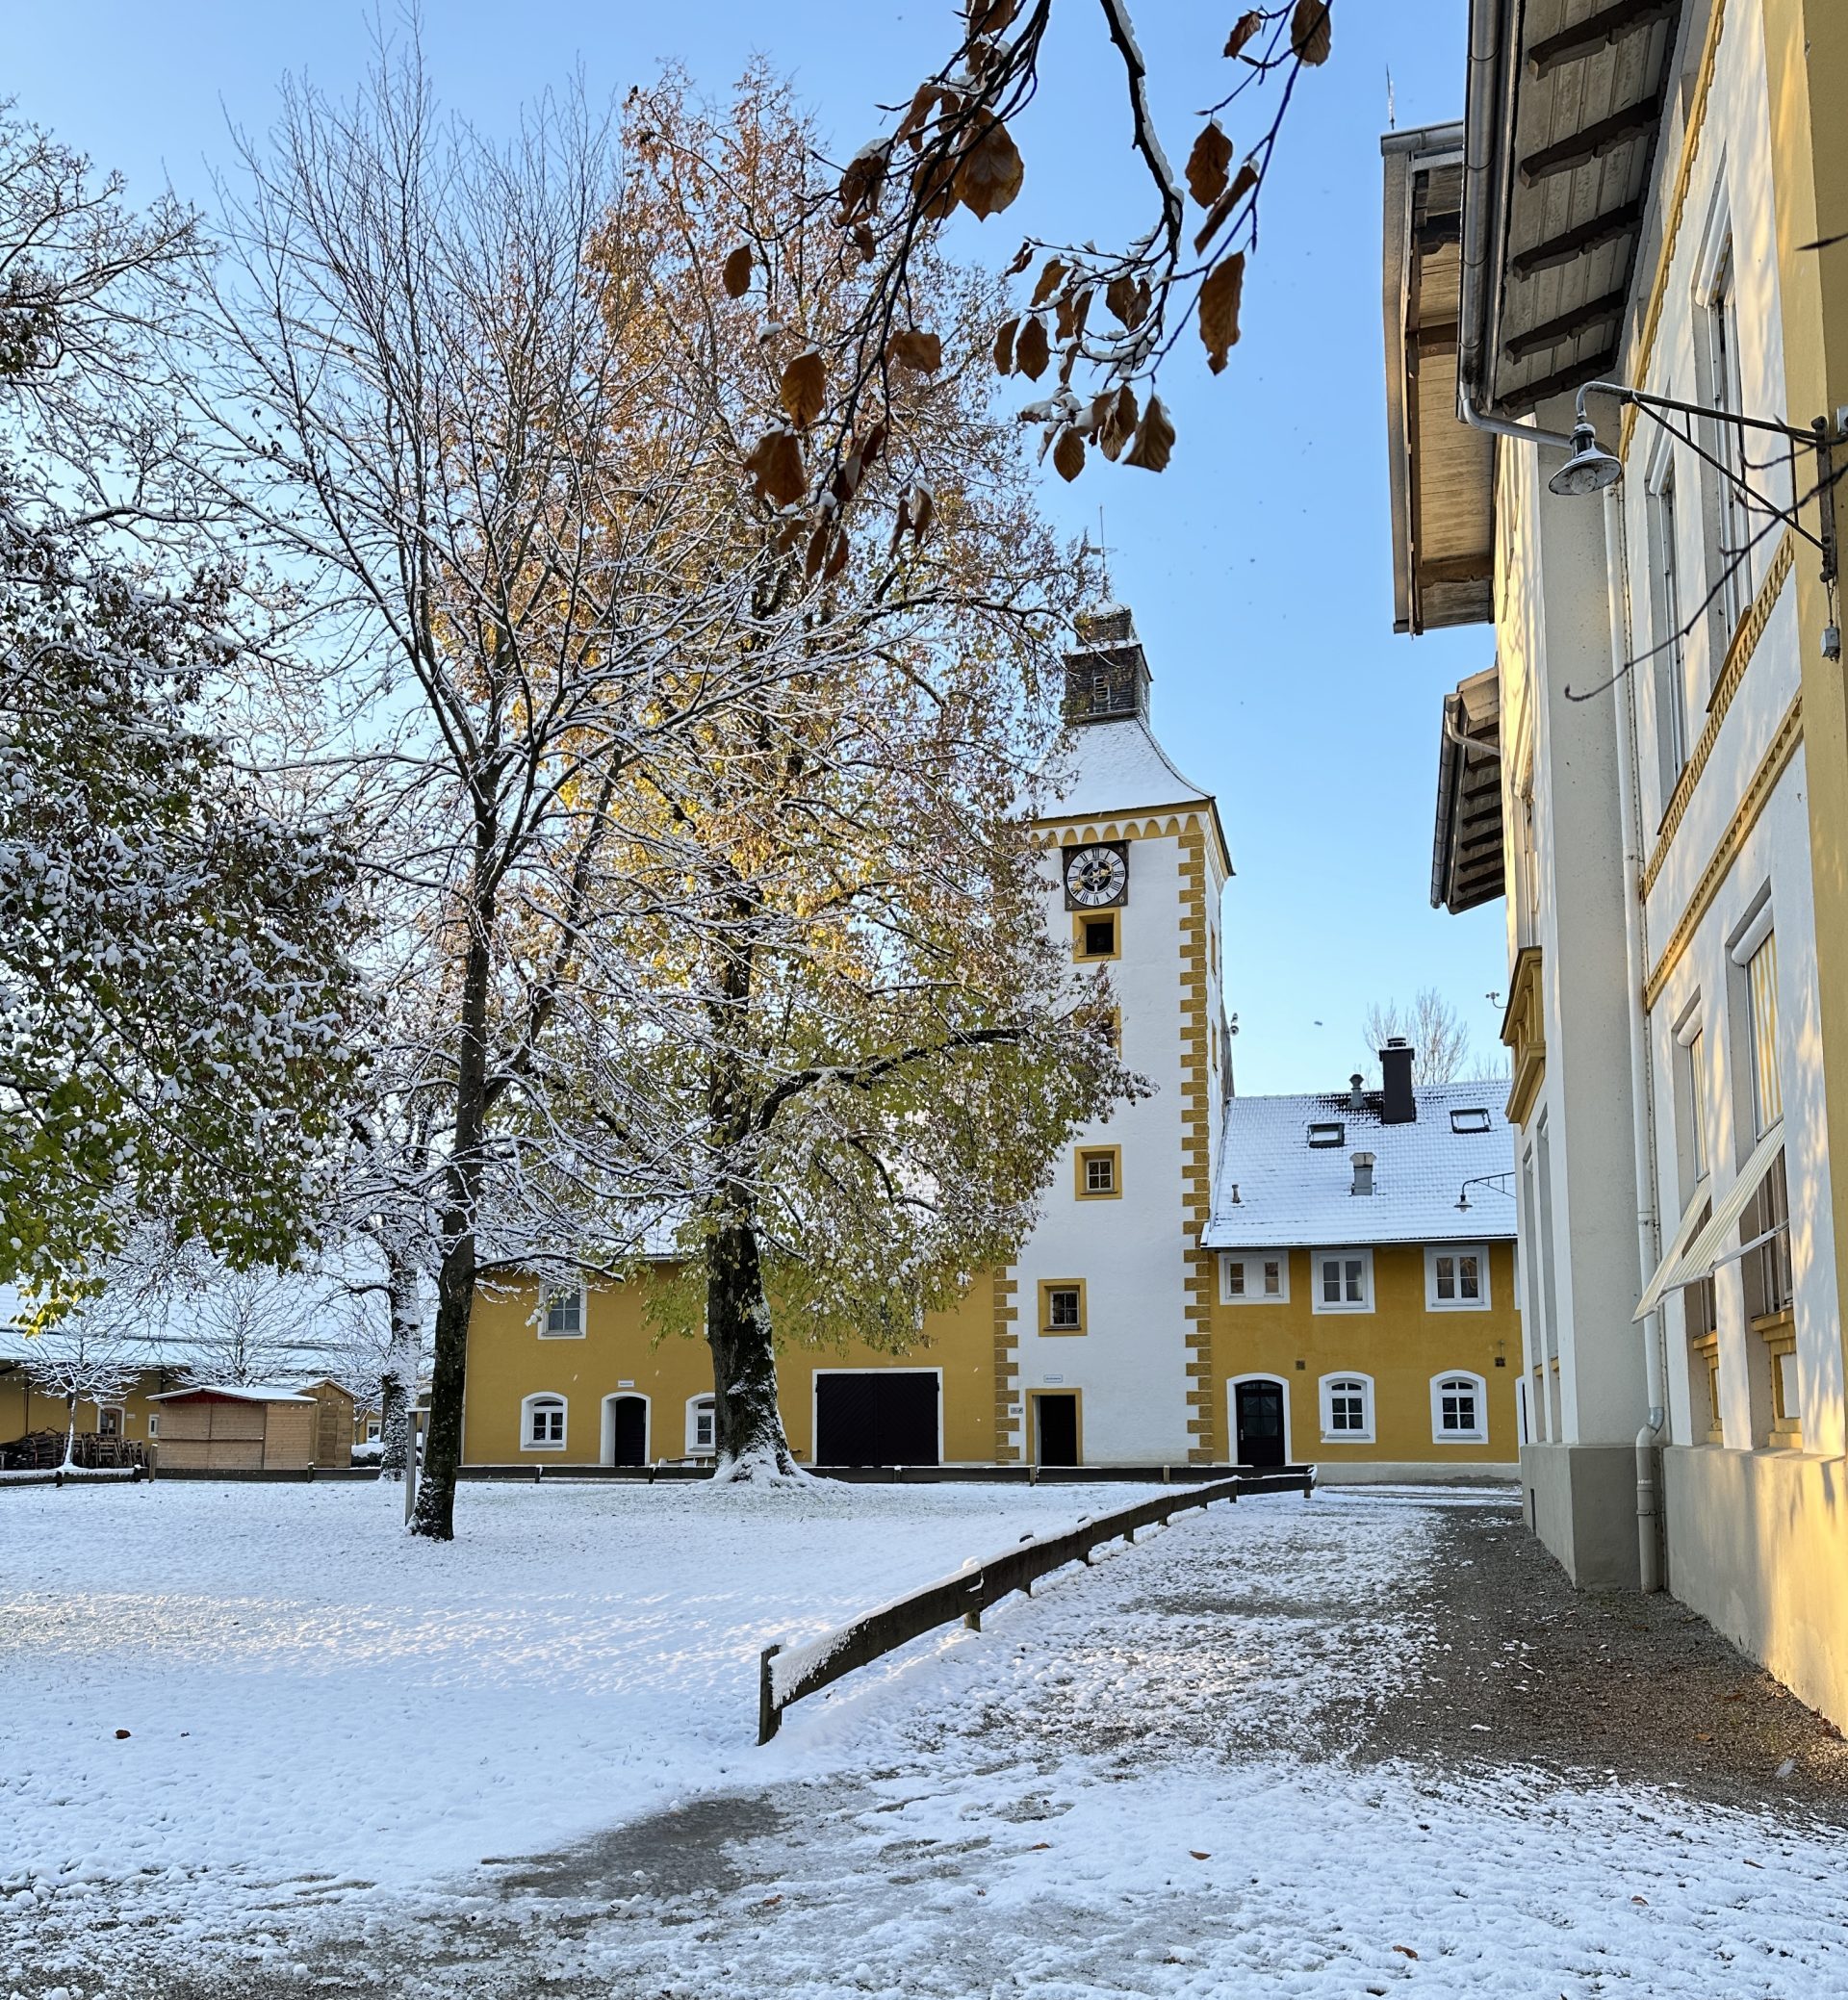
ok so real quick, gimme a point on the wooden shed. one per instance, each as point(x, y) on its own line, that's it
point(243, 1429)
point(333, 1423)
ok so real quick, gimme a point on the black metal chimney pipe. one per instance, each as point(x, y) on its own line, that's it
point(1398, 1101)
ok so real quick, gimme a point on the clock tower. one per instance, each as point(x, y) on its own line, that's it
point(1103, 1326)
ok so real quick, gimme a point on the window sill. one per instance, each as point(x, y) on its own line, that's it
point(1458, 1437)
point(1457, 1305)
point(1063, 1333)
point(1097, 1194)
point(561, 1336)
point(1349, 1437)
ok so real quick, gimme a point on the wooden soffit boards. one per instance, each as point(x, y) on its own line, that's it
point(1584, 94)
point(1441, 472)
point(1468, 867)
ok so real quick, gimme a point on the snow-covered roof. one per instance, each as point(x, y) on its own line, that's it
point(238, 1391)
point(310, 1360)
point(1276, 1190)
point(1109, 767)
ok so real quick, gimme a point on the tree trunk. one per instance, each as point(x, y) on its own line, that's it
point(397, 1379)
point(435, 1512)
point(748, 1426)
point(747, 1423)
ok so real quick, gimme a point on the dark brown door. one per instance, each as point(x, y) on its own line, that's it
point(630, 1441)
point(1056, 1429)
point(882, 1417)
point(1260, 1413)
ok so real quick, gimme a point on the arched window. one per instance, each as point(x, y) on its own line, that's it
point(1459, 1410)
point(542, 1423)
point(702, 1426)
point(1347, 1409)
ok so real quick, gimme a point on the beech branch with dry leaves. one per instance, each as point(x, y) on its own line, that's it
point(953, 147)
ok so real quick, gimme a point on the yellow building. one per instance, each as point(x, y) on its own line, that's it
point(579, 1375)
point(1617, 383)
point(1118, 1336)
point(1365, 1312)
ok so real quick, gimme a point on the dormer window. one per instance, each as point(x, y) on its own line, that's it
point(1328, 1134)
point(1471, 1118)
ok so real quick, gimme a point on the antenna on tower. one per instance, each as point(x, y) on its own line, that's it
point(1392, 114)
point(1100, 548)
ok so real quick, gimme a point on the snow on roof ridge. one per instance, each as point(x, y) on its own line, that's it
point(242, 1391)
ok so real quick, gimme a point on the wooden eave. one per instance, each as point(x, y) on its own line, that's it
point(1467, 864)
point(1440, 471)
point(1590, 82)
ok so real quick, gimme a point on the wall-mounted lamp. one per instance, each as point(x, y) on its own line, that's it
point(1484, 1180)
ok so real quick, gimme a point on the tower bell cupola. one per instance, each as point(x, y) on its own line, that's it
point(1106, 676)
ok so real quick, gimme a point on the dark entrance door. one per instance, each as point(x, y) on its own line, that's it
point(630, 1429)
point(882, 1417)
point(1056, 1429)
point(1260, 1413)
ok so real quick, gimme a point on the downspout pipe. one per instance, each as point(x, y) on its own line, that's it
point(1488, 137)
point(1650, 1437)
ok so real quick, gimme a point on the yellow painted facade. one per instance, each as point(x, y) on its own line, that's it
point(1401, 1347)
point(24, 1408)
point(620, 1352)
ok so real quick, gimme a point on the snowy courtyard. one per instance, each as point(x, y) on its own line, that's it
point(260, 1742)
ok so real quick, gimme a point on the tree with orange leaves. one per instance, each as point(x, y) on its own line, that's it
point(852, 1053)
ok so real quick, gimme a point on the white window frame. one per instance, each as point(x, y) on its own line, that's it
point(694, 1405)
point(1326, 1398)
point(1363, 1305)
point(558, 1294)
point(153, 1424)
point(1480, 1390)
point(1433, 1302)
point(530, 1405)
point(1251, 1264)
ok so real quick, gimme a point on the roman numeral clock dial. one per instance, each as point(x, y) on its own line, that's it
point(1097, 878)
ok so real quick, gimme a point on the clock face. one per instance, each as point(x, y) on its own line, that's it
point(1096, 877)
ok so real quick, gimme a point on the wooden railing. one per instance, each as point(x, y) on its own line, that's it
point(786, 1674)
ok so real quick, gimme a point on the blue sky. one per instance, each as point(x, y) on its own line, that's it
point(1259, 565)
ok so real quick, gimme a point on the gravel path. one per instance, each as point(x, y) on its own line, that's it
point(1609, 1684)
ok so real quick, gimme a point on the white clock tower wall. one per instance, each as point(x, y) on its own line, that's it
point(1127, 1253)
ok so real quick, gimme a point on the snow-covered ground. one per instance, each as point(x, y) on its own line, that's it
point(354, 1758)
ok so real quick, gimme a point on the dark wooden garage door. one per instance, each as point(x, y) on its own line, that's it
point(882, 1417)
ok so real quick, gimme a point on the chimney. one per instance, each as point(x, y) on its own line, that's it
point(1356, 1094)
point(1398, 1103)
point(1363, 1175)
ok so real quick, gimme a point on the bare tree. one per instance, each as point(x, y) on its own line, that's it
point(87, 1357)
point(1438, 1034)
point(414, 388)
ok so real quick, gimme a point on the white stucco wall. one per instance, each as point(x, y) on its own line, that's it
point(1130, 1365)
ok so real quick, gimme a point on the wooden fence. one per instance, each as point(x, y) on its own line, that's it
point(786, 1674)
